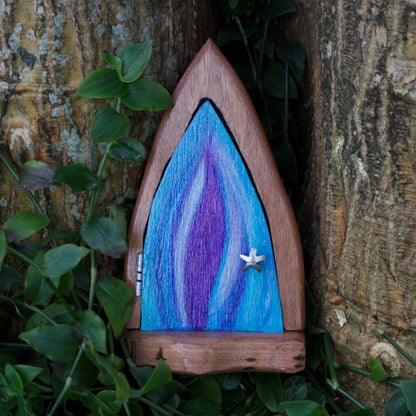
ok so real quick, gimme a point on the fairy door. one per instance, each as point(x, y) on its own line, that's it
point(213, 252)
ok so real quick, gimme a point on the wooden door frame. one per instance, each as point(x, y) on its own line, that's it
point(211, 76)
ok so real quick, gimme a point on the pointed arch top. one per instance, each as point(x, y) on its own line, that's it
point(211, 77)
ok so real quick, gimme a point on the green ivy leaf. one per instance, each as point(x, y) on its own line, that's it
point(114, 61)
point(66, 283)
point(274, 82)
point(14, 383)
point(147, 95)
point(160, 376)
point(409, 391)
point(117, 299)
point(304, 408)
point(234, 7)
point(56, 342)
point(62, 259)
point(232, 398)
point(135, 58)
point(113, 360)
point(128, 150)
point(82, 278)
point(3, 246)
point(228, 33)
point(85, 375)
point(361, 412)
point(92, 326)
point(119, 379)
point(104, 236)
point(377, 373)
point(199, 407)
point(278, 8)
point(294, 54)
point(207, 388)
point(97, 405)
point(103, 83)
point(9, 278)
point(396, 405)
point(27, 372)
point(23, 225)
point(35, 175)
point(108, 126)
point(56, 311)
point(295, 388)
point(37, 291)
point(109, 397)
point(78, 176)
point(267, 386)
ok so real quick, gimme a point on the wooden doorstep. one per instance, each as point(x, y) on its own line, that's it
point(211, 352)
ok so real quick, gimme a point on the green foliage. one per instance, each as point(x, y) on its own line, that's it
point(397, 405)
point(304, 408)
point(92, 326)
point(270, 68)
point(71, 320)
point(377, 372)
point(104, 236)
point(267, 386)
point(119, 311)
point(108, 126)
point(3, 246)
point(78, 176)
point(104, 83)
point(60, 260)
point(160, 376)
point(128, 150)
point(403, 401)
point(9, 278)
point(35, 175)
point(132, 61)
point(408, 388)
point(278, 8)
point(56, 342)
point(146, 95)
point(23, 225)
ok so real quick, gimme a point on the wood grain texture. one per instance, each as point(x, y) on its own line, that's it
point(211, 76)
point(359, 200)
point(209, 352)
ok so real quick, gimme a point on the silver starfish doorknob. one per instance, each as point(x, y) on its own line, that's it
point(252, 259)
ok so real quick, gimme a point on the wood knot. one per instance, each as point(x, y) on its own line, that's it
point(388, 357)
point(21, 145)
point(159, 355)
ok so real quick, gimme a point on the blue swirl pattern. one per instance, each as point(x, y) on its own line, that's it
point(204, 214)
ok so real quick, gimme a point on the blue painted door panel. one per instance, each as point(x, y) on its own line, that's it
point(205, 214)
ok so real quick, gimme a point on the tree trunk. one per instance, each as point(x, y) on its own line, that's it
point(47, 47)
point(359, 212)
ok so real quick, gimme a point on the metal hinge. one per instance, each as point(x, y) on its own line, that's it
point(139, 274)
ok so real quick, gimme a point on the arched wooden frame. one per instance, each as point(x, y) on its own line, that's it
point(211, 76)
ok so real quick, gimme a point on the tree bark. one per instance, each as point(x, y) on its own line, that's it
point(359, 214)
point(47, 48)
